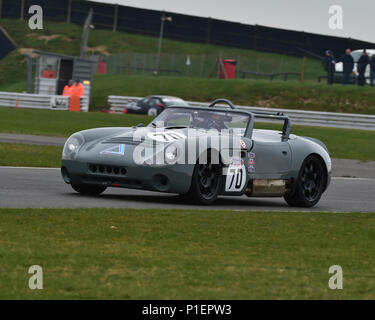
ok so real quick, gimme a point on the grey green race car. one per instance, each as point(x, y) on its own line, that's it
point(202, 152)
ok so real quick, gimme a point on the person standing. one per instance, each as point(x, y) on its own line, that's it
point(68, 89)
point(372, 70)
point(78, 88)
point(329, 66)
point(348, 65)
point(361, 67)
point(48, 72)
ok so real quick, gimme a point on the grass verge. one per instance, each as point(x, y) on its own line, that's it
point(277, 94)
point(61, 123)
point(26, 155)
point(189, 254)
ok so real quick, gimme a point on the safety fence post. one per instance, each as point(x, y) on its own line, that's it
point(303, 69)
point(69, 12)
point(22, 9)
point(115, 18)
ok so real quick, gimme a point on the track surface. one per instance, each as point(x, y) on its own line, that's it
point(44, 188)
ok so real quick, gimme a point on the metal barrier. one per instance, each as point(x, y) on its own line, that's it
point(38, 101)
point(299, 117)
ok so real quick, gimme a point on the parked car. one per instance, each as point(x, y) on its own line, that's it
point(150, 105)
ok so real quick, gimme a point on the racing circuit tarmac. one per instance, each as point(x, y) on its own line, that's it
point(44, 188)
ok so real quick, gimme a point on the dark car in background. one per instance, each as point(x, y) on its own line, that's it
point(150, 105)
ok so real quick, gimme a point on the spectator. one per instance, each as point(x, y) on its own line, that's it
point(361, 67)
point(372, 70)
point(48, 72)
point(329, 66)
point(68, 89)
point(348, 65)
point(78, 88)
point(102, 66)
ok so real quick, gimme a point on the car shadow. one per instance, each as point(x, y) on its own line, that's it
point(174, 199)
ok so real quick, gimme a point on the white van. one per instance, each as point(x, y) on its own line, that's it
point(356, 54)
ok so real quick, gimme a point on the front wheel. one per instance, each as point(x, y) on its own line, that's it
point(309, 185)
point(90, 190)
point(206, 182)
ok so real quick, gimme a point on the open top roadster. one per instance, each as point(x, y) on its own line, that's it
point(203, 152)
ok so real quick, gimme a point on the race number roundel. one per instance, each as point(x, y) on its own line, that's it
point(243, 144)
point(236, 177)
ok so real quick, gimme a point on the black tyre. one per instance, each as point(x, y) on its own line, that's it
point(309, 185)
point(90, 190)
point(206, 182)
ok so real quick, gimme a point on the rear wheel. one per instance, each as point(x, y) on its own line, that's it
point(206, 182)
point(91, 190)
point(309, 185)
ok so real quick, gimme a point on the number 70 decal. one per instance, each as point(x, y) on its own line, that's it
point(236, 178)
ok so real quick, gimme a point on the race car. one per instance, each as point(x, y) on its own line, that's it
point(202, 152)
point(150, 105)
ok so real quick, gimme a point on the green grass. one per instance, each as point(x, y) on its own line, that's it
point(289, 95)
point(264, 93)
point(25, 155)
point(185, 254)
point(342, 143)
point(13, 67)
point(61, 123)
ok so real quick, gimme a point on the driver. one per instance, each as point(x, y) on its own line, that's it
point(207, 120)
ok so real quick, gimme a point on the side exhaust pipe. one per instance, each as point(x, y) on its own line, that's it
point(266, 188)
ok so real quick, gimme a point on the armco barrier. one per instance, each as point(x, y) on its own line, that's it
point(301, 117)
point(38, 101)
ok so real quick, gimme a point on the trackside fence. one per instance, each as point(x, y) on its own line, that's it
point(38, 101)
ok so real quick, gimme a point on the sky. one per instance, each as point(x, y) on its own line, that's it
point(301, 15)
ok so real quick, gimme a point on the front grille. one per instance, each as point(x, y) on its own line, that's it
point(112, 181)
point(106, 169)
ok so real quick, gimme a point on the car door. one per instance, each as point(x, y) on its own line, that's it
point(271, 157)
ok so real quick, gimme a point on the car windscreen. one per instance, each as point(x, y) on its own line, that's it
point(201, 119)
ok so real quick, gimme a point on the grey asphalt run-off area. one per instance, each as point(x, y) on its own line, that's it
point(44, 188)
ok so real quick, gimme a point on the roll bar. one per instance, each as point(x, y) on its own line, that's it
point(223, 101)
point(287, 127)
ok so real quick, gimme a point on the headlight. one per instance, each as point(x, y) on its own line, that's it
point(171, 153)
point(72, 146)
